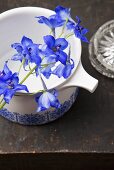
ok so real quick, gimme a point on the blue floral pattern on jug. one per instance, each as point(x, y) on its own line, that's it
point(38, 119)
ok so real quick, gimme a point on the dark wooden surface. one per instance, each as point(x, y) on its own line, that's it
point(84, 137)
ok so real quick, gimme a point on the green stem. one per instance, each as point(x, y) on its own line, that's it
point(23, 61)
point(2, 105)
point(29, 67)
point(50, 31)
point(63, 28)
point(67, 36)
point(1, 100)
point(28, 74)
point(45, 65)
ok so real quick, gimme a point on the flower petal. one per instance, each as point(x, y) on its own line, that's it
point(6, 70)
point(84, 39)
point(34, 54)
point(70, 25)
point(18, 47)
point(17, 57)
point(37, 71)
point(59, 8)
point(15, 79)
point(80, 31)
point(49, 59)
point(43, 102)
point(47, 100)
point(49, 40)
point(2, 91)
point(78, 20)
point(56, 21)
point(59, 70)
point(46, 72)
point(26, 41)
point(6, 73)
point(51, 97)
point(8, 95)
point(42, 19)
point(21, 87)
point(36, 59)
point(64, 13)
point(67, 71)
point(84, 31)
point(62, 57)
point(54, 102)
point(61, 43)
point(3, 84)
point(54, 92)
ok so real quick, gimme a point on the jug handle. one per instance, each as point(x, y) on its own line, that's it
point(82, 79)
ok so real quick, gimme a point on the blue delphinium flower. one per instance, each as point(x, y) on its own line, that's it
point(63, 18)
point(64, 70)
point(5, 74)
point(63, 13)
point(9, 84)
point(79, 30)
point(56, 47)
point(70, 26)
point(47, 99)
point(26, 50)
point(51, 22)
point(46, 66)
point(58, 19)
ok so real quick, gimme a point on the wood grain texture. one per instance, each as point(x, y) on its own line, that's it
point(86, 129)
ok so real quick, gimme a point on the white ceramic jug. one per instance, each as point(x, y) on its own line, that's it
point(22, 109)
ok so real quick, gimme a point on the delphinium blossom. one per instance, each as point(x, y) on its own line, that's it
point(47, 99)
point(27, 52)
point(56, 47)
point(9, 84)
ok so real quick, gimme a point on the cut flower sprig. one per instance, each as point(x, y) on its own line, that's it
point(43, 60)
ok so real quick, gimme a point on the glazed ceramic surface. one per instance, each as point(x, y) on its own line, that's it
point(29, 116)
point(22, 108)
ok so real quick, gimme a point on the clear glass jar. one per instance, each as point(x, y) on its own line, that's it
point(101, 49)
